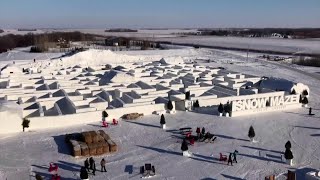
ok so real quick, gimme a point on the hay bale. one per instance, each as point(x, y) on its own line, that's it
point(104, 135)
point(86, 136)
point(76, 151)
point(99, 149)
point(92, 133)
point(94, 137)
point(74, 143)
point(112, 146)
point(97, 138)
point(82, 135)
point(102, 132)
point(84, 149)
point(92, 149)
point(105, 147)
point(100, 138)
point(132, 116)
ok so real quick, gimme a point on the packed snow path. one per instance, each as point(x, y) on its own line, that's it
point(143, 141)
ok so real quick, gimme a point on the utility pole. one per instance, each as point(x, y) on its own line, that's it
point(153, 42)
point(247, 52)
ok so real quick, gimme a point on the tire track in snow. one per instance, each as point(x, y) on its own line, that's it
point(294, 69)
point(290, 135)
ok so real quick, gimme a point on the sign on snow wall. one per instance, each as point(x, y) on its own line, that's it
point(264, 104)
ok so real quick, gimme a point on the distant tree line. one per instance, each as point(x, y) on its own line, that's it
point(24, 29)
point(38, 41)
point(121, 30)
point(264, 32)
point(1, 31)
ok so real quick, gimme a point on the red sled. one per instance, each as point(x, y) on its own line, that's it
point(55, 177)
point(53, 169)
point(114, 122)
point(223, 157)
point(105, 124)
point(192, 141)
point(188, 134)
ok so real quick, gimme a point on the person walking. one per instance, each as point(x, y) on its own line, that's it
point(198, 133)
point(230, 159)
point(203, 131)
point(103, 165)
point(86, 165)
point(94, 169)
point(235, 156)
point(91, 161)
point(84, 174)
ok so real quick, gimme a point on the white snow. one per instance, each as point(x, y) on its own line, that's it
point(144, 141)
point(271, 44)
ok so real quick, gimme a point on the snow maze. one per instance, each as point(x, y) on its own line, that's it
point(52, 98)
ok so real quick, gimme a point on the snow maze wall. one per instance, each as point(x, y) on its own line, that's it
point(60, 97)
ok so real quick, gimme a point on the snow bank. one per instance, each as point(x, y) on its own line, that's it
point(283, 84)
point(94, 57)
point(10, 69)
point(10, 117)
point(277, 84)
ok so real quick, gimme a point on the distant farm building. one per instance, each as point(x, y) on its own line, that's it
point(130, 42)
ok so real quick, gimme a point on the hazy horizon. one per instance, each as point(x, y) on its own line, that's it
point(139, 14)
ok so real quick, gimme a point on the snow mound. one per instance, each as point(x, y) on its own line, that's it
point(95, 57)
point(172, 60)
point(284, 85)
point(10, 117)
point(11, 69)
point(277, 84)
point(116, 77)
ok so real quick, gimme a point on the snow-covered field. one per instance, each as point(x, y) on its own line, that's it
point(309, 46)
point(143, 141)
point(23, 54)
point(15, 31)
point(141, 32)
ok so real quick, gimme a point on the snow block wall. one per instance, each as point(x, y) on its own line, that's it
point(89, 117)
point(66, 93)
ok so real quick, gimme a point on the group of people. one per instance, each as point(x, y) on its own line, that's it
point(90, 164)
point(202, 135)
point(233, 157)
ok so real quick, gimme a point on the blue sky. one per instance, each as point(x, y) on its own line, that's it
point(158, 13)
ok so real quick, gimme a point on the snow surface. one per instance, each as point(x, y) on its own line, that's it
point(141, 32)
point(268, 44)
point(143, 141)
point(16, 32)
point(19, 54)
